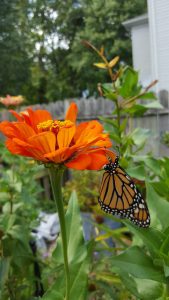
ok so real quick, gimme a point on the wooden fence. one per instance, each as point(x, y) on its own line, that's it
point(155, 120)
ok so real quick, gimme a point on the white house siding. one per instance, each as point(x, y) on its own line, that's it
point(141, 52)
point(150, 45)
point(158, 11)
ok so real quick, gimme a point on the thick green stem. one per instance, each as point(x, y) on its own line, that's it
point(56, 176)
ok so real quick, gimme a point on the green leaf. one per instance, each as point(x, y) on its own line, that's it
point(164, 249)
point(7, 221)
point(154, 104)
point(57, 290)
point(115, 137)
point(165, 165)
point(166, 268)
point(109, 121)
point(150, 237)
point(136, 110)
point(148, 95)
point(4, 270)
point(129, 86)
point(123, 125)
point(159, 206)
point(135, 262)
point(153, 164)
point(52, 294)
point(137, 172)
point(110, 95)
point(4, 196)
point(75, 237)
point(149, 289)
point(108, 91)
point(113, 132)
point(7, 207)
point(79, 274)
point(112, 128)
point(142, 288)
point(78, 254)
point(129, 282)
point(162, 188)
point(140, 135)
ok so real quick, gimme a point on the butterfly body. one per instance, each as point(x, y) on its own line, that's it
point(120, 196)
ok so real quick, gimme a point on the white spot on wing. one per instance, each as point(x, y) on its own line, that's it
point(141, 205)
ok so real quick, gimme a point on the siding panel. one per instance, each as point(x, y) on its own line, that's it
point(159, 27)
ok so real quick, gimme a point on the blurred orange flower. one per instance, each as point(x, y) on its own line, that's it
point(11, 100)
point(35, 134)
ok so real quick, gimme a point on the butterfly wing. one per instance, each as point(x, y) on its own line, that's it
point(139, 214)
point(120, 196)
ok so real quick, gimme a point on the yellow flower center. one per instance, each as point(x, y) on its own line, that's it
point(54, 126)
point(46, 125)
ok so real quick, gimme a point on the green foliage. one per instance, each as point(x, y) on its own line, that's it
point(146, 259)
point(14, 58)
point(41, 51)
point(19, 209)
point(86, 188)
point(78, 256)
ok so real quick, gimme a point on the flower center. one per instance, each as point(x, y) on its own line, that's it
point(54, 126)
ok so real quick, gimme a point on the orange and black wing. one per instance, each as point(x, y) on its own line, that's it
point(120, 196)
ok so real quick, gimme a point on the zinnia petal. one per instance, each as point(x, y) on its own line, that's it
point(89, 131)
point(17, 116)
point(64, 136)
point(33, 118)
point(14, 148)
point(79, 129)
point(71, 113)
point(104, 141)
point(44, 141)
point(35, 150)
point(59, 155)
point(79, 163)
point(98, 160)
point(7, 129)
point(23, 130)
point(95, 159)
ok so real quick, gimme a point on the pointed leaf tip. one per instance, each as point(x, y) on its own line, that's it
point(113, 62)
point(100, 65)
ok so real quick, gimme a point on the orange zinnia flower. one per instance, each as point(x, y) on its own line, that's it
point(35, 134)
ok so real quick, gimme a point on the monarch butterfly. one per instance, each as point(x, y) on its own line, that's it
point(120, 196)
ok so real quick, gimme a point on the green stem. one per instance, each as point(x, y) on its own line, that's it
point(118, 120)
point(130, 122)
point(118, 114)
point(56, 176)
point(116, 102)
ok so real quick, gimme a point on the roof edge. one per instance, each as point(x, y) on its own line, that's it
point(140, 20)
